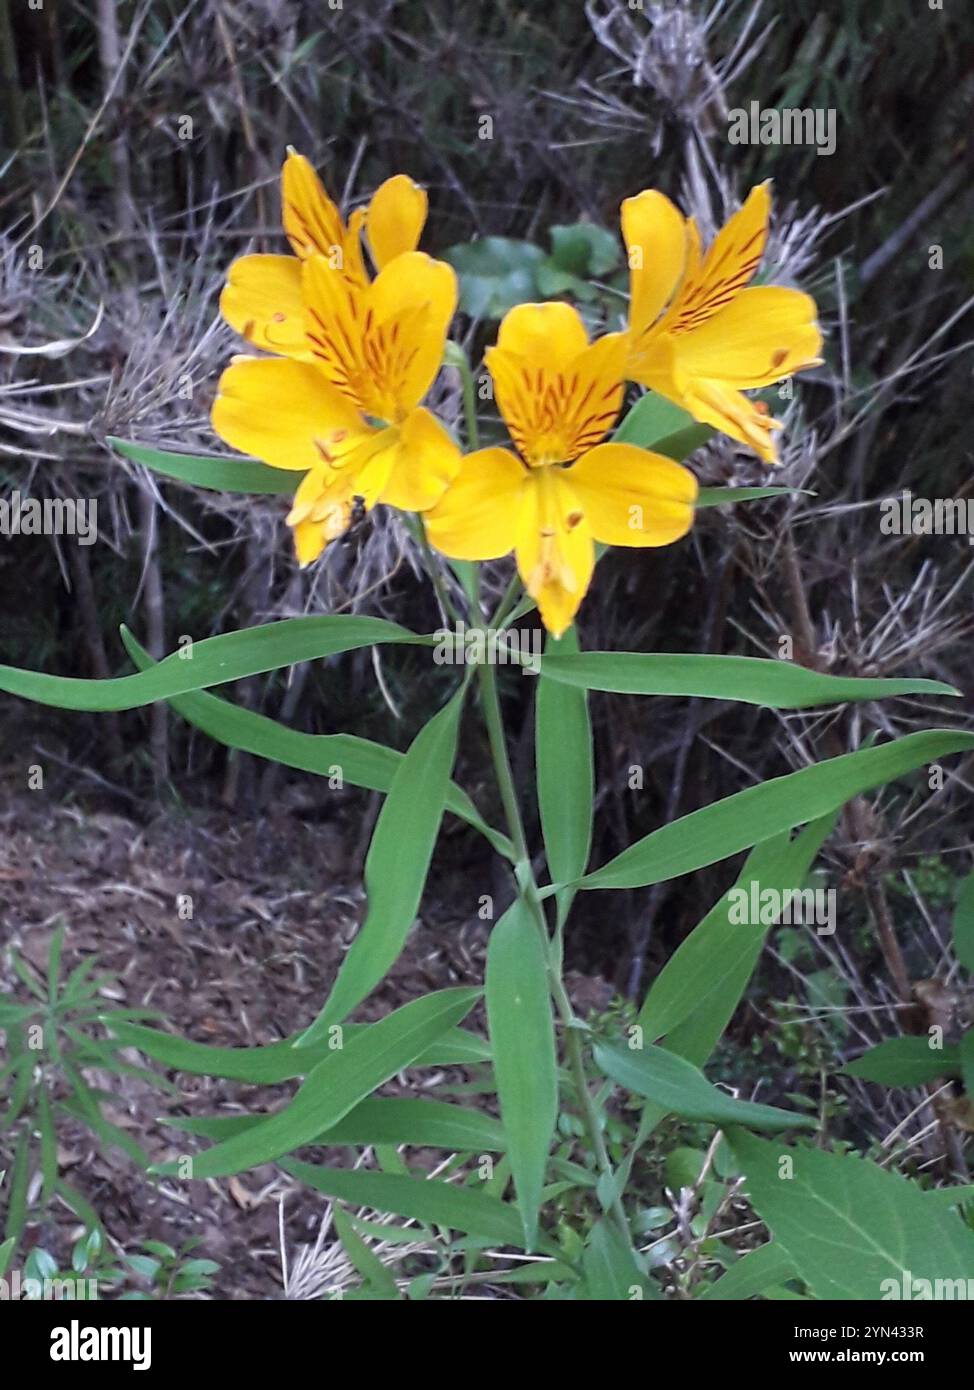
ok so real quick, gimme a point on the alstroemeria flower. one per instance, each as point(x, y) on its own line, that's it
point(346, 407)
point(262, 298)
point(696, 333)
point(559, 395)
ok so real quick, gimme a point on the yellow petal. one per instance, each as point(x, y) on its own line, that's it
point(727, 410)
point(763, 335)
point(409, 306)
point(425, 463)
point(555, 553)
point(550, 334)
point(285, 413)
point(730, 263)
point(396, 217)
point(475, 519)
point(554, 413)
point(335, 312)
point(312, 222)
point(262, 301)
point(655, 234)
point(633, 497)
point(328, 496)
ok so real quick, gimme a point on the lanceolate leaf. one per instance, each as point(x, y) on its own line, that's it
point(361, 762)
point(904, 1062)
point(217, 474)
point(525, 1062)
point(339, 1082)
point(418, 1199)
point(430, 1124)
point(852, 1229)
point(397, 864)
point(748, 817)
point(280, 1061)
point(694, 996)
point(756, 1272)
point(963, 923)
point(752, 680)
point(211, 661)
point(680, 1089)
point(563, 751)
point(610, 1271)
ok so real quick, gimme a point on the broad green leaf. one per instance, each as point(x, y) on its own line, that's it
point(563, 753)
point(748, 817)
point(963, 923)
point(430, 1124)
point(753, 680)
point(584, 249)
point(678, 1087)
point(417, 1199)
point(217, 474)
point(694, 996)
point(755, 1273)
point(280, 1061)
point(396, 865)
point(651, 419)
point(495, 273)
point(339, 1082)
point(522, 1039)
point(904, 1062)
point(610, 1272)
point(362, 763)
point(852, 1229)
point(948, 1197)
point(211, 661)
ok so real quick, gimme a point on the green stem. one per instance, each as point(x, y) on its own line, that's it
point(447, 606)
point(528, 885)
point(471, 426)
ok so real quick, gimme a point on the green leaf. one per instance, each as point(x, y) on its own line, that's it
point(362, 762)
point(651, 419)
point(563, 752)
point(694, 996)
point(217, 474)
point(18, 1179)
point(584, 249)
point(753, 680)
point(522, 1037)
point(756, 1272)
point(280, 1061)
point(371, 1268)
point(748, 817)
point(417, 1199)
point(676, 1085)
point(718, 496)
point(430, 1124)
point(967, 1062)
point(6, 1251)
point(396, 865)
point(904, 1062)
point(963, 923)
point(495, 274)
point(850, 1226)
point(339, 1082)
point(610, 1272)
point(212, 661)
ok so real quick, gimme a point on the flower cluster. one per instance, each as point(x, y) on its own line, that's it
point(356, 344)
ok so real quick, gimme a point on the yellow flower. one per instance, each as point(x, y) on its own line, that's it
point(342, 401)
point(559, 395)
point(696, 334)
point(262, 298)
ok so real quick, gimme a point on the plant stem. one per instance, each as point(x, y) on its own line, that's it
point(471, 426)
point(528, 885)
